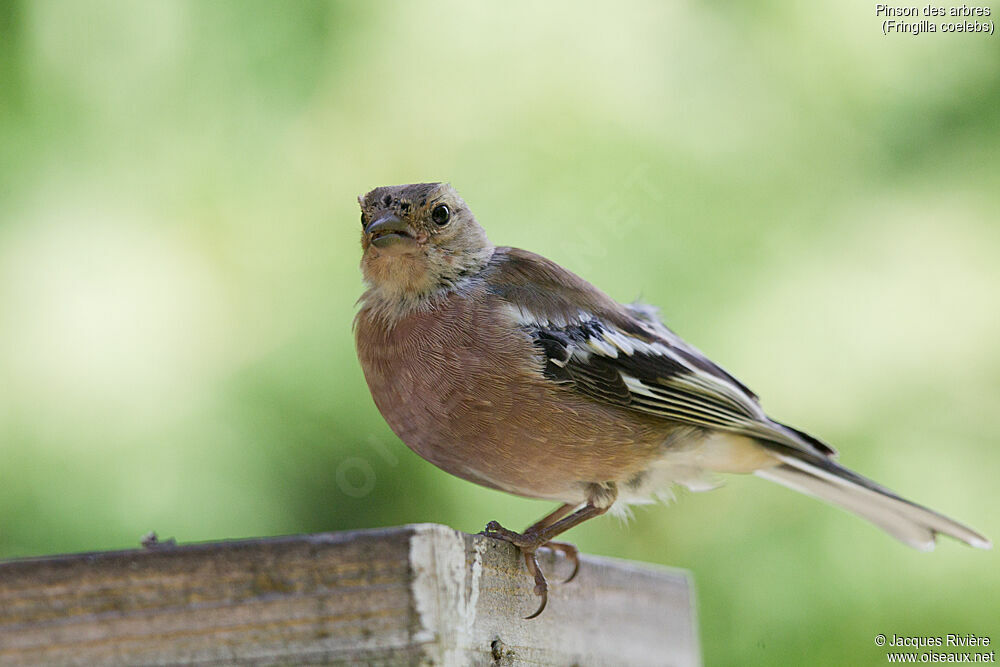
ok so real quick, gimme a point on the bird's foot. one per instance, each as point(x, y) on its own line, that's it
point(541, 586)
point(529, 543)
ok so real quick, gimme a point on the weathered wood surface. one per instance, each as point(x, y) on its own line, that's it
point(420, 594)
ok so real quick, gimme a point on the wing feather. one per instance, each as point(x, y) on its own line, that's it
point(650, 369)
point(624, 354)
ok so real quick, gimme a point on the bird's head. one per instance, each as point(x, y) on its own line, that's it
point(419, 240)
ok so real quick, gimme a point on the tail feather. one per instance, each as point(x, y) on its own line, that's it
point(908, 522)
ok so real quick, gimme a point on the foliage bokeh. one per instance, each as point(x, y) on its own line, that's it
point(811, 203)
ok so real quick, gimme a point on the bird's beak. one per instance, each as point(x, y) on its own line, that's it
point(388, 230)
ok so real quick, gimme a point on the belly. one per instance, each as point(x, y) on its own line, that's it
point(466, 401)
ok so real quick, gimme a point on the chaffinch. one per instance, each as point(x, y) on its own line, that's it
point(505, 369)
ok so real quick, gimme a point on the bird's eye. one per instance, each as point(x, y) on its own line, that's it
point(440, 215)
point(363, 225)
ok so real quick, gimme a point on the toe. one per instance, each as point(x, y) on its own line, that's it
point(545, 598)
point(570, 552)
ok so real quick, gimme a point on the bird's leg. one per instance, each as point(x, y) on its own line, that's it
point(567, 550)
point(540, 534)
point(552, 517)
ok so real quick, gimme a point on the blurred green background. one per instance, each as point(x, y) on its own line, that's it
point(812, 204)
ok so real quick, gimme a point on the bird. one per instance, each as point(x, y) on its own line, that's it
point(505, 369)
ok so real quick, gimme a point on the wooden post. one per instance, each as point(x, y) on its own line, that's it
point(420, 594)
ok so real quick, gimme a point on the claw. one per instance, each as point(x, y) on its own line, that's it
point(541, 608)
point(570, 552)
point(576, 570)
point(491, 529)
point(541, 587)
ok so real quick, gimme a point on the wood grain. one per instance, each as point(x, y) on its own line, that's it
point(419, 594)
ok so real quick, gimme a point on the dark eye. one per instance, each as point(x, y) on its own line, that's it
point(440, 215)
point(363, 220)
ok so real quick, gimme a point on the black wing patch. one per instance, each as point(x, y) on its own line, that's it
point(656, 373)
point(645, 375)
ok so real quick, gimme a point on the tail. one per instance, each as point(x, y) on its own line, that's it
point(908, 522)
